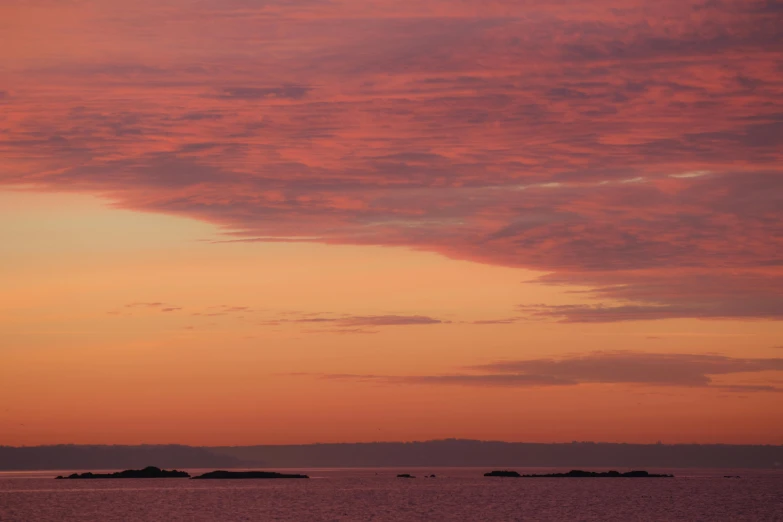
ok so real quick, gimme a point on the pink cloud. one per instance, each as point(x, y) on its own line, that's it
point(634, 147)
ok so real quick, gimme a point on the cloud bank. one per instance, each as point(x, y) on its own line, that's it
point(633, 147)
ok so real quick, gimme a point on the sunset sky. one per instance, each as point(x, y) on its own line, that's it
point(232, 222)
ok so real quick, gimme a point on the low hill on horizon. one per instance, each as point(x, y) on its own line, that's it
point(109, 457)
point(436, 453)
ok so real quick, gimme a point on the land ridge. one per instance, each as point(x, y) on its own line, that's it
point(436, 453)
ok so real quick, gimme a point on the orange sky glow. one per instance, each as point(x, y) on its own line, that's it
point(273, 222)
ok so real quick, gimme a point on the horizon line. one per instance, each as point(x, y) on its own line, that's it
point(487, 441)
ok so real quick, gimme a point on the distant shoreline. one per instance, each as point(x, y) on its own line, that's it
point(440, 453)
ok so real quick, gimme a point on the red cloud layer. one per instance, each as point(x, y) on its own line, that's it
point(627, 145)
point(671, 369)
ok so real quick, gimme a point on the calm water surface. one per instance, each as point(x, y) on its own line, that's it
point(377, 495)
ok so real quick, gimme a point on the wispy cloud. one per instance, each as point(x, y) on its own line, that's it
point(505, 320)
point(156, 305)
point(655, 295)
point(328, 321)
point(387, 320)
point(253, 93)
point(634, 368)
point(347, 324)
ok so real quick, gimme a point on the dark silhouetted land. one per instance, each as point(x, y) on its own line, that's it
point(438, 453)
point(405, 475)
point(504, 455)
point(148, 472)
point(249, 475)
point(512, 474)
point(578, 473)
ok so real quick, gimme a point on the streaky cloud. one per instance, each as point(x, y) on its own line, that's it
point(622, 367)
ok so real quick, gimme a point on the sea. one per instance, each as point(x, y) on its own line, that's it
point(367, 494)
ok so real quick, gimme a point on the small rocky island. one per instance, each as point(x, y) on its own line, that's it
point(148, 472)
point(513, 474)
point(405, 475)
point(578, 473)
point(249, 475)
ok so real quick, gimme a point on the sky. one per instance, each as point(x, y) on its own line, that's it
point(229, 222)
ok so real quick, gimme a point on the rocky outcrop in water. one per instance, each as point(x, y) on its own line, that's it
point(148, 472)
point(249, 475)
point(578, 473)
point(513, 474)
